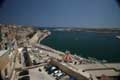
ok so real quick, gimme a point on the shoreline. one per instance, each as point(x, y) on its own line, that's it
point(81, 52)
point(48, 48)
point(97, 30)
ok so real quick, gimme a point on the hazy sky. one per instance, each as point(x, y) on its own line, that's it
point(89, 13)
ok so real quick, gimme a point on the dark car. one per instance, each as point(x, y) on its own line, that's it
point(52, 69)
point(47, 67)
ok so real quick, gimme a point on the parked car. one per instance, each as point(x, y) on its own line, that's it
point(52, 69)
point(47, 67)
point(56, 72)
point(60, 75)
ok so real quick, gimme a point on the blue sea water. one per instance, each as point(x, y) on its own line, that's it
point(87, 44)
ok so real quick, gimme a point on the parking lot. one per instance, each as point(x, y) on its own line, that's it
point(57, 73)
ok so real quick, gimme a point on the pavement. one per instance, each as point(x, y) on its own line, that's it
point(35, 74)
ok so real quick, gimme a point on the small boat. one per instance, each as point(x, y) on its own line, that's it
point(118, 37)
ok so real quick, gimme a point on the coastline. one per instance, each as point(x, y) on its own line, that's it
point(80, 43)
point(97, 30)
point(76, 70)
point(47, 48)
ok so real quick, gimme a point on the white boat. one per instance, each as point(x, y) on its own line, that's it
point(118, 37)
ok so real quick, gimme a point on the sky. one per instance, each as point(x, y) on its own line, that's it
point(61, 13)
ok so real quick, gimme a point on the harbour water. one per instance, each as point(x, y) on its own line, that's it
point(87, 44)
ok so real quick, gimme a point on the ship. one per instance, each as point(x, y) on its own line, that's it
point(118, 37)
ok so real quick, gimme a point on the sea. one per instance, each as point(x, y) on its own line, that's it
point(101, 46)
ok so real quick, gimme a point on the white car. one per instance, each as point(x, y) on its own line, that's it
point(56, 72)
point(53, 68)
point(59, 74)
